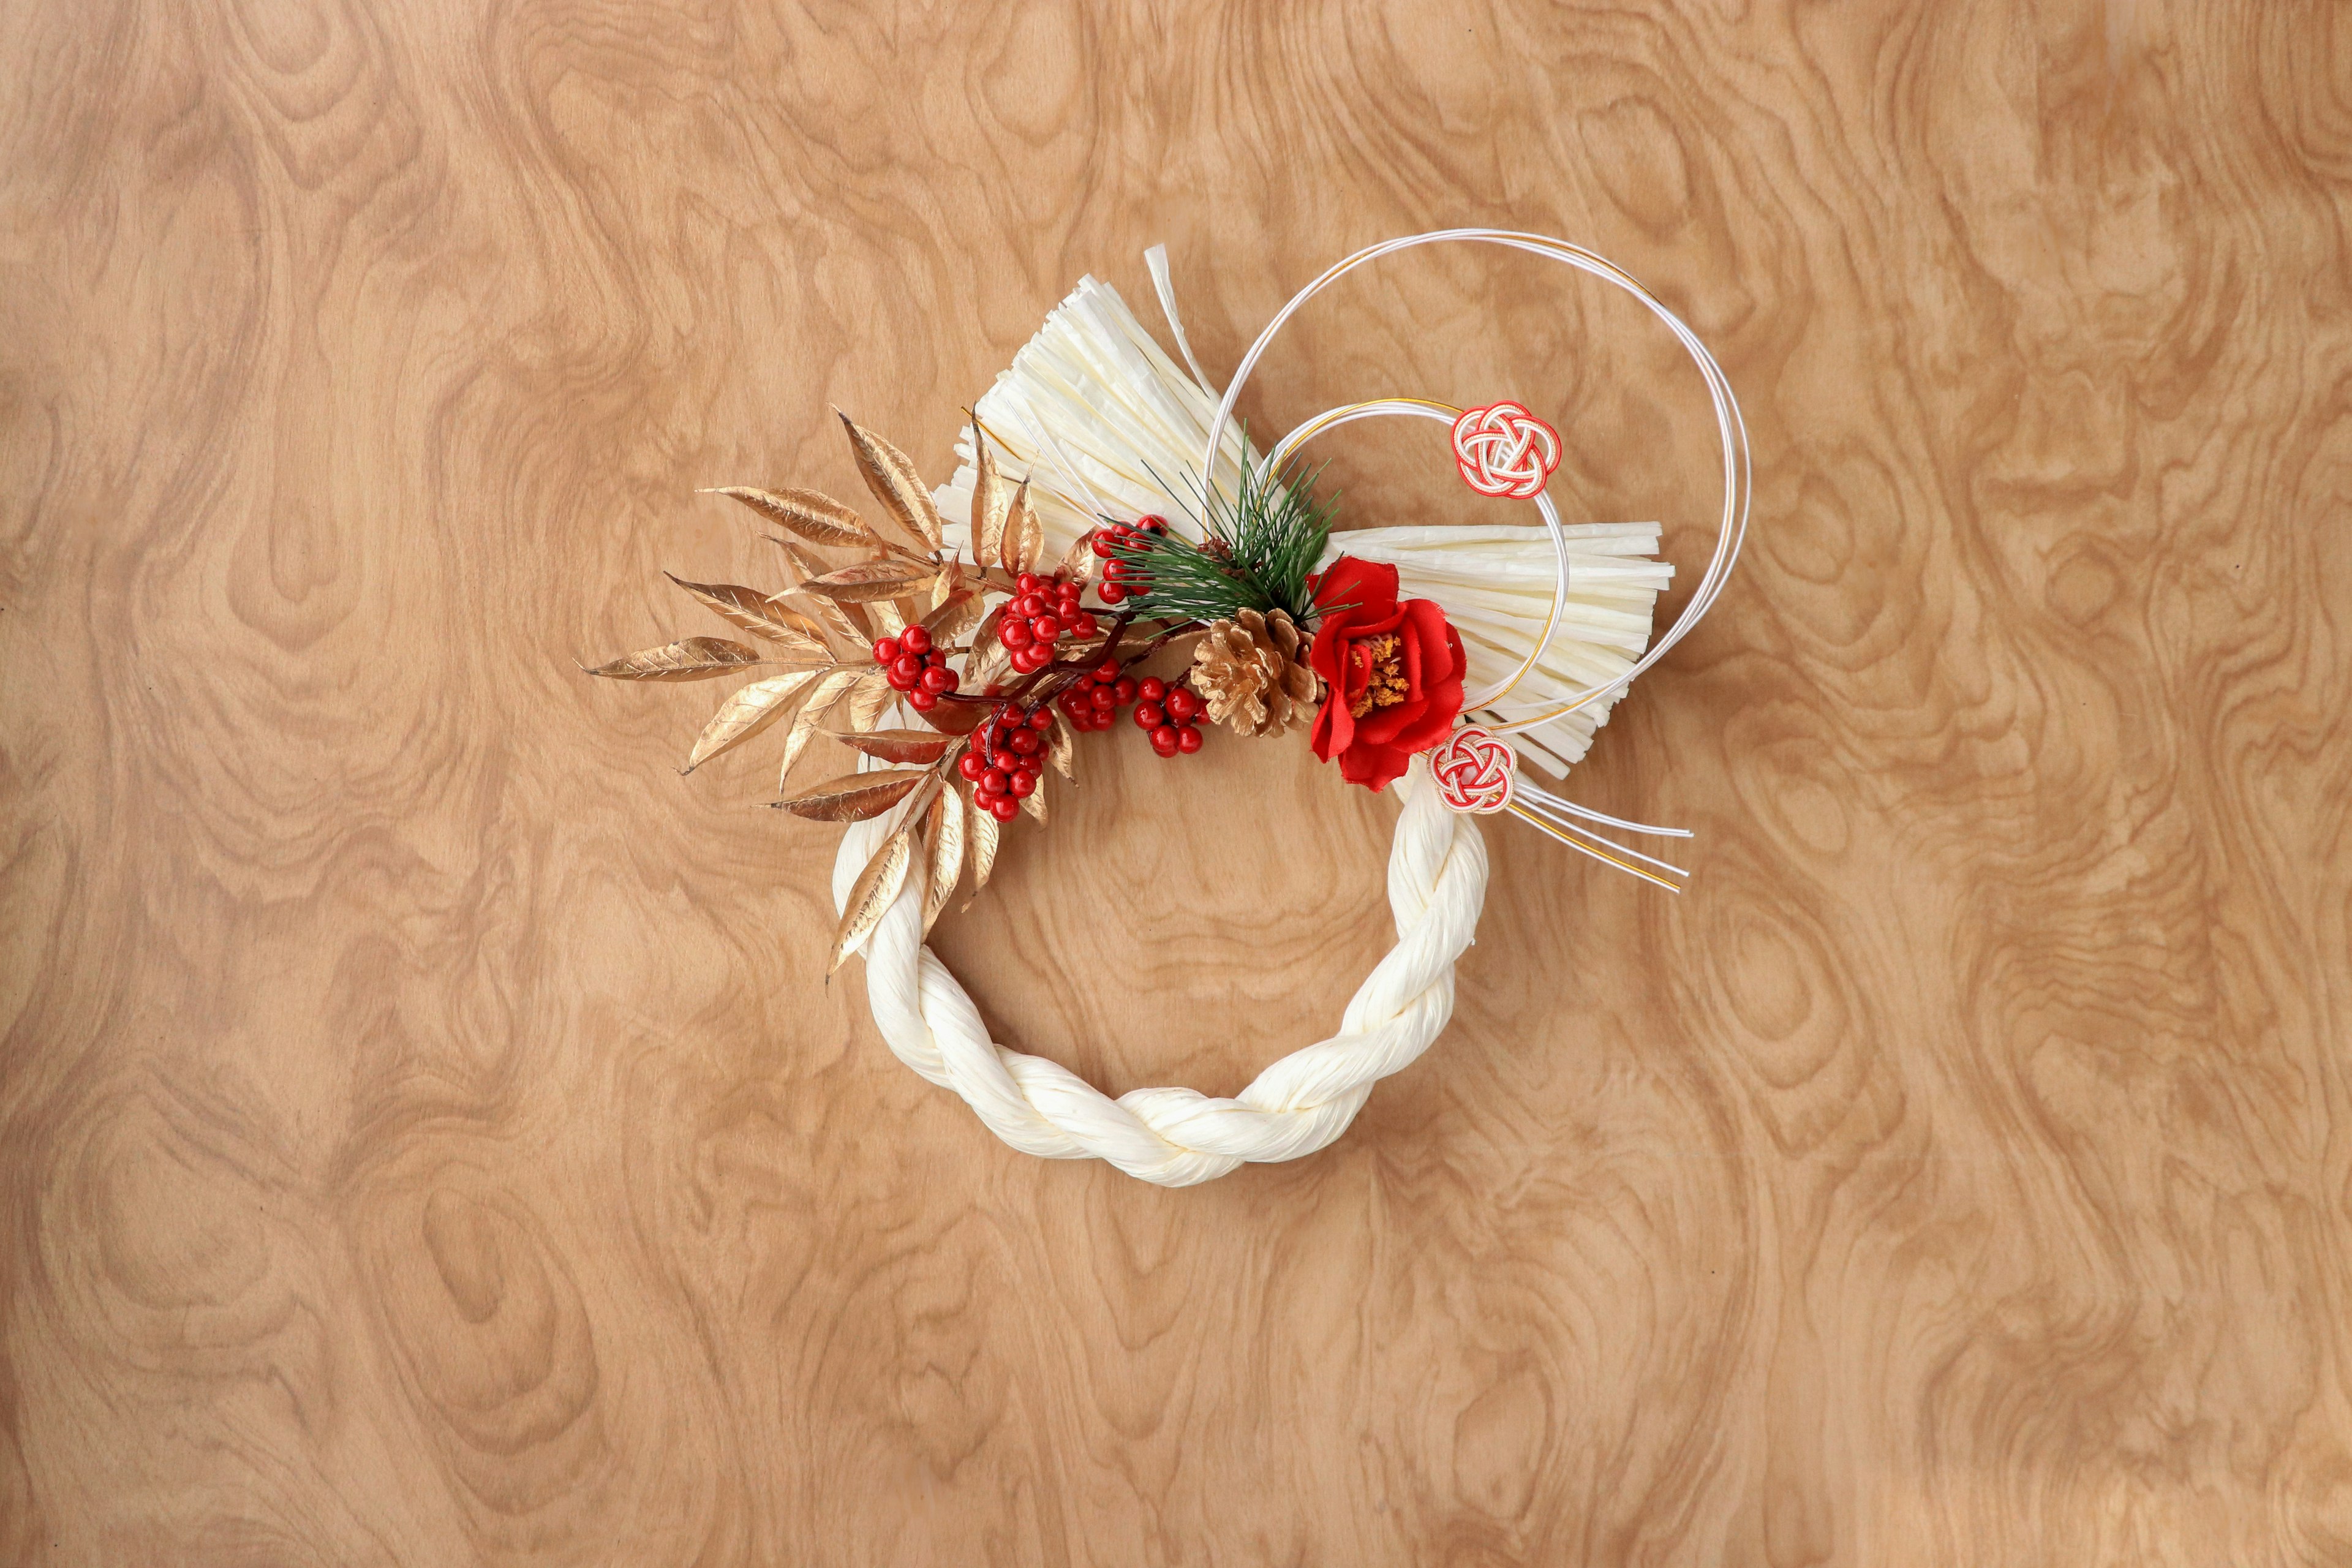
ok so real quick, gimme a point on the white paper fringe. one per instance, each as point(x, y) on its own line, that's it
point(1103, 423)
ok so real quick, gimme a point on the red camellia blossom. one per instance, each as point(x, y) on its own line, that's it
point(1393, 669)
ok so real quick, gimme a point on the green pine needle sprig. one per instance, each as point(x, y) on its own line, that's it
point(1256, 549)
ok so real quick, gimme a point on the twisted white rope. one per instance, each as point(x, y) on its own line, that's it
point(1437, 881)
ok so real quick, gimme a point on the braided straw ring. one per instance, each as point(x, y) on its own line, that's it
point(1437, 880)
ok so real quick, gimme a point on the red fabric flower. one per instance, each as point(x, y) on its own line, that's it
point(1393, 669)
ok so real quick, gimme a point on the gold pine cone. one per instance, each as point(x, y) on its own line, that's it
point(1252, 671)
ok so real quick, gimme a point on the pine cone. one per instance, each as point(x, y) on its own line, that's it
point(1253, 673)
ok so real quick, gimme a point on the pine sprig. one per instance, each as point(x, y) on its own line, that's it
point(1256, 550)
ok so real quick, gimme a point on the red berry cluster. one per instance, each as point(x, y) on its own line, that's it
point(1044, 611)
point(1001, 763)
point(1168, 714)
point(1119, 577)
point(916, 668)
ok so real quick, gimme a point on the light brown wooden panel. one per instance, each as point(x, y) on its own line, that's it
point(423, 1139)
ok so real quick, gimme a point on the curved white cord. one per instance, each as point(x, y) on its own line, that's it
point(1731, 427)
point(1437, 881)
point(1331, 419)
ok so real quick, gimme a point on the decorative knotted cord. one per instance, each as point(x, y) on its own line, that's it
point(1502, 450)
point(1474, 768)
point(1437, 881)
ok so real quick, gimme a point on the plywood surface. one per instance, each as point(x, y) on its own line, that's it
point(424, 1137)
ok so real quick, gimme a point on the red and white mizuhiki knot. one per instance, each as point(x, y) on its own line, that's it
point(1504, 450)
point(1474, 769)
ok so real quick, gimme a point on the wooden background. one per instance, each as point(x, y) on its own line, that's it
point(422, 1138)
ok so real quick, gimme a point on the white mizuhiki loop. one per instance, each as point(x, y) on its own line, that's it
point(1731, 426)
point(1437, 881)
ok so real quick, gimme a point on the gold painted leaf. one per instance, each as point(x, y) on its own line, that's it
point(695, 658)
point(1059, 752)
point(984, 830)
point(988, 504)
point(867, 699)
point(1078, 563)
point(871, 896)
point(890, 617)
point(854, 798)
point(922, 746)
point(813, 515)
point(822, 699)
point(950, 619)
point(1024, 536)
point(760, 614)
point(990, 660)
point(846, 622)
point(943, 837)
point(896, 483)
point(748, 710)
point(951, 717)
point(862, 582)
point(1034, 803)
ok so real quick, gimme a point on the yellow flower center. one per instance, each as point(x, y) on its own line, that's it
point(1385, 687)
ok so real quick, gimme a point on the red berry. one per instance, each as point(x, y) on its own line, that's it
point(1165, 748)
point(1024, 784)
point(1123, 690)
point(1024, 742)
point(995, 781)
point(1104, 699)
point(1182, 704)
point(951, 679)
point(1151, 688)
point(1149, 716)
point(1030, 605)
point(1112, 593)
point(1013, 634)
point(1082, 624)
point(1046, 628)
point(934, 681)
point(1154, 523)
point(1188, 740)
point(1033, 658)
point(1102, 543)
point(1041, 719)
point(915, 640)
point(1004, 808)
point(1114, 575)
point(906, 667)
point(971, 766)
point(922, 702)
point(1106, 671)
point(897, 681)
point(886, 649)
point(937, 658)
point(1027, 582)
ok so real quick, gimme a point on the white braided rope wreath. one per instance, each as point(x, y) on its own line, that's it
point(1437, 884)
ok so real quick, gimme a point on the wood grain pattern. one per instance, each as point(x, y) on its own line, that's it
point(422, 1138)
